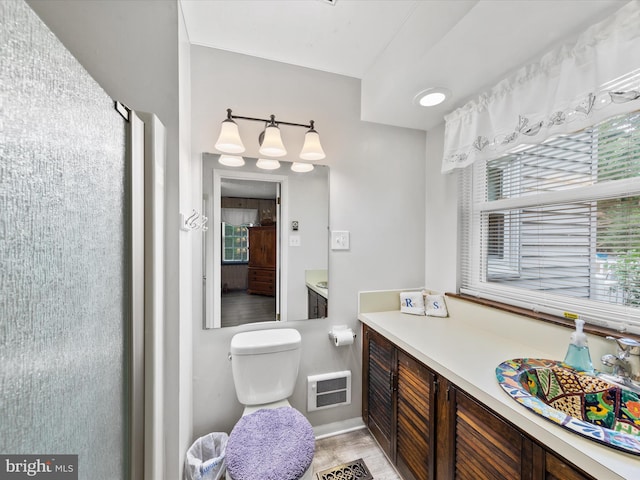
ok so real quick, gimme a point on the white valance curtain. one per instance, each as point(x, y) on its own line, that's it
point(239, 216)
point(570, 88)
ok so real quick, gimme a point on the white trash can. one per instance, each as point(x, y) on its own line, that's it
point(205, 458)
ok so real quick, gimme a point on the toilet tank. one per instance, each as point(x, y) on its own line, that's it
point(265, 364)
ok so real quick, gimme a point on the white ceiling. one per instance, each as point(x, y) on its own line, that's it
point(397, 47)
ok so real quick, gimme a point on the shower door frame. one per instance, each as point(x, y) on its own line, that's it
point(135, 352)
point(146, 154)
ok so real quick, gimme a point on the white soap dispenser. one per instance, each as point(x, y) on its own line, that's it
point(578, 355)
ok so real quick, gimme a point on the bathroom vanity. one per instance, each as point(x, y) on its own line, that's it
point(431, 399)
point(431, 429)
point(317, 293)
point(317, 304)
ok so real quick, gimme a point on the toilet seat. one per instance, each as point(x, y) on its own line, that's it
point(270, 444)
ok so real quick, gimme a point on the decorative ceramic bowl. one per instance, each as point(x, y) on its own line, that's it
point(578, 401)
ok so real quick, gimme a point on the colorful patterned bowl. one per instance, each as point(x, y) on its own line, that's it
point(580, 402)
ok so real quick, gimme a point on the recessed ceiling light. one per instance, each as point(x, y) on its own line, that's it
point(432, 97)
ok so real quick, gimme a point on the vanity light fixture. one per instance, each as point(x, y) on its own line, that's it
point(301, 167)
point(270, 141)
point(312, 150)
point(229, 140)
point(231, 160)
point(268, 163)
point(432, 97)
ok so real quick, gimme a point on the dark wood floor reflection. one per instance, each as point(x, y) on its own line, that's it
point(238, 308)
point(339, 449)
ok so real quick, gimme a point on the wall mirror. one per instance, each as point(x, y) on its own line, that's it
point(265, 253)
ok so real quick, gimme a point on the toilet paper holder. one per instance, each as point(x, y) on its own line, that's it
point(338, 328)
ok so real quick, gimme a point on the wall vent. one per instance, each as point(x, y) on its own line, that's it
point(328, 390)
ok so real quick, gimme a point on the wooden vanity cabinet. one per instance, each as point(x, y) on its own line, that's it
point(488, 447)
point(432, 430)
point(379, 356)
point(555, 468)
point(415, 411)
point(485, 445)
point(398, 405)
point(317, 305)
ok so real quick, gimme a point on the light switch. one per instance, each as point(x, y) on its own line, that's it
point(339, 240)
point(294, 240)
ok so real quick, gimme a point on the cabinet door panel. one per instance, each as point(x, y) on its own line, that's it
point(312, 304)
point(414, 419)
point(262, 247)
point(323, 307)
point(379, 402)
point(486, 447)
point(557, 469)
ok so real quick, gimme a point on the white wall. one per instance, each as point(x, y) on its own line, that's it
point(377, 192)
point(131, 49)
point(441, 237)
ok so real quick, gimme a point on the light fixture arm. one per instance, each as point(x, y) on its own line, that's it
point(270, 122)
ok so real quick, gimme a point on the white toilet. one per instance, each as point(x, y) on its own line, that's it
point(272, 440)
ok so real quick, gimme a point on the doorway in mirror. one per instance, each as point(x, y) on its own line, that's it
point(250, 251)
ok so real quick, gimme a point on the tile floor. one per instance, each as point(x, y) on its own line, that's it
point(333, 451)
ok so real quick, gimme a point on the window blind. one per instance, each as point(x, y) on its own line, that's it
point(555, 227)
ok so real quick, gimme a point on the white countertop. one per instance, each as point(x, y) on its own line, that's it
point(468, 357)
point(313, 278)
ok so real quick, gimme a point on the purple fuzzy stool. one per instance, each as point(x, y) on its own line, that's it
point(270, 444)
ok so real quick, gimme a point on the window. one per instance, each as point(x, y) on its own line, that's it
point(556, 226)
point(235, 243)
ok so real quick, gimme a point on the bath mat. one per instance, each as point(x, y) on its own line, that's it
point(354, 470)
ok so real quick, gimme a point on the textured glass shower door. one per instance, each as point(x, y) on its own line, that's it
point(65, 296)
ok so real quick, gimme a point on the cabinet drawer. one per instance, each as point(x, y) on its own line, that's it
point(262, 281)
point(261, 289)
point(262, 275)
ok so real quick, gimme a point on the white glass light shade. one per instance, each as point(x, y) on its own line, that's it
point(229, 140)
point(312, 150)
point(301, 167)
point(267, 164)
point(231, 160)
point(272, 143)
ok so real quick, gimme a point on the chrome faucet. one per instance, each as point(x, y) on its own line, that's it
point(626, 363)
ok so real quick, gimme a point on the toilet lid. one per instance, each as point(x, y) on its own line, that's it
point(270, 444)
